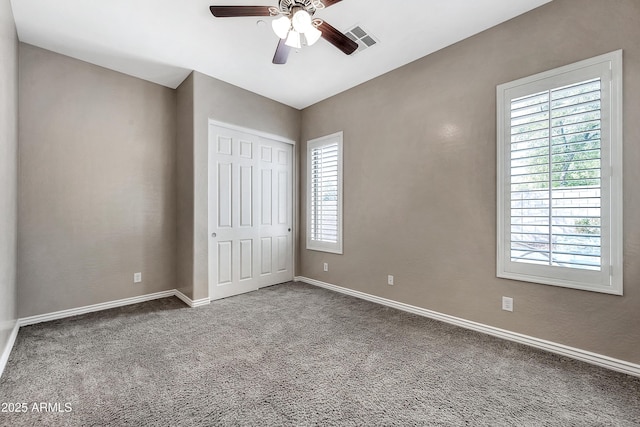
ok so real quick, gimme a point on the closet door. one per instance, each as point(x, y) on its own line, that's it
point(250, 212)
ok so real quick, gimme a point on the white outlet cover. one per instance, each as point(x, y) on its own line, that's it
point(507, 303)
point(137, 277)
point(390, 280)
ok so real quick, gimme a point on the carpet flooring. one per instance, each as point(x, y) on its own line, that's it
point(295, 355)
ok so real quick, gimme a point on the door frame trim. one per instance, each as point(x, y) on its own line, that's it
point(254, 132)
point(294, 188)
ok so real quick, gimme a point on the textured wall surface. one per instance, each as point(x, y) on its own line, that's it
point(184, 182)
point(97, 190)
point(220, 101)
point(8, 169)
point(420, 179)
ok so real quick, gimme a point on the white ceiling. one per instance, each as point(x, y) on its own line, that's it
point(163, 40)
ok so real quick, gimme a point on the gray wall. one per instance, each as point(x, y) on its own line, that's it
point(220, 101)
point(184, 182)
point(420, 179)
point(97, 190)
point(8, 171)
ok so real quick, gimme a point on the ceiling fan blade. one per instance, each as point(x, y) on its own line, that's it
point(233, 11)
point(328, 3)
point(337, 39)
point(282, 53)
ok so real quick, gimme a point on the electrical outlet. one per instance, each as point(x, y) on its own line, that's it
point(137, 277)
point(326, 266)
point(507, 303)
point(390, 280)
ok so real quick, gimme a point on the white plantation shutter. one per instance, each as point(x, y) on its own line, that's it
point(559, 186)
point(324, 194)
point(556, 177)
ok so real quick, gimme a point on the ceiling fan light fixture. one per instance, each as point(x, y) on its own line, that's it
point(294, 23)
point(312, 35)
point(302, 21)
point(281, 26)
point(293, 40)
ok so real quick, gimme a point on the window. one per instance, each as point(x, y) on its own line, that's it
point(560, 176)
point(324, 194)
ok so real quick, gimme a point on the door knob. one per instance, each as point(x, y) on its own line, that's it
point(213, 234)
point(289, 230)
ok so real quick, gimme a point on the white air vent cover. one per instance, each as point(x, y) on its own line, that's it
point(364, 39)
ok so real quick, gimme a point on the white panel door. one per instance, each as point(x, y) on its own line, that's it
point(250, 212)
point(276, 210)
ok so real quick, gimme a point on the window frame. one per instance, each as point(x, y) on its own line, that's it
point(318, 245)
point(610, 278)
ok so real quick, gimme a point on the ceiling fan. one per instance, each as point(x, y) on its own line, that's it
point(295, 23)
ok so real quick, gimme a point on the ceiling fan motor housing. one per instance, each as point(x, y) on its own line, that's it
point(293, 24)
point(288, 7)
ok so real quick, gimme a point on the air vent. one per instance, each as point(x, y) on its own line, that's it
point(360, 36)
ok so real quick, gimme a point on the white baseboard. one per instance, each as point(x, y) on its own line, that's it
point(574, 353)
point(4, 356)
point(32, 320)
point(192, 303)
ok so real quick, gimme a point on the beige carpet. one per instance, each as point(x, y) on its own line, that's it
point(296, 355)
